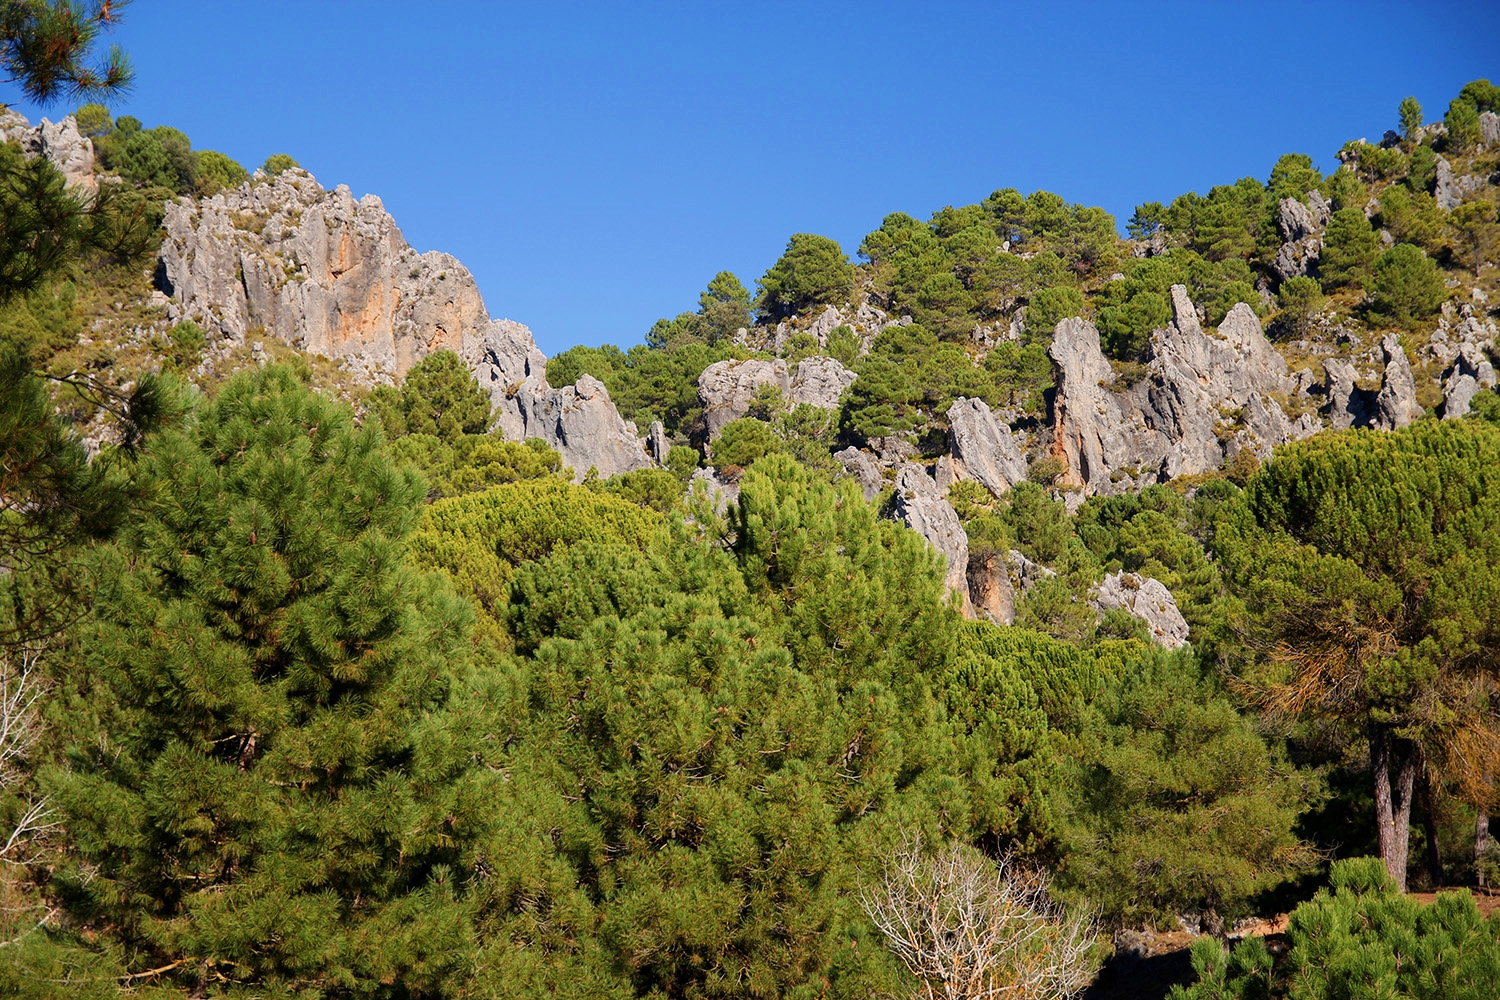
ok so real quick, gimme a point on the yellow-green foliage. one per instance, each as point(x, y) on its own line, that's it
point(480, 539)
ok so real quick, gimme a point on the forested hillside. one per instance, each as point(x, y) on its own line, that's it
point(964, 608)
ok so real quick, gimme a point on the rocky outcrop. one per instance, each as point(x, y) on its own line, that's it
point(1301, 226)
point(1470, 373)
point(657, 443)
point(991, 591)
point(863, 469)
point(1451, 188)
point(1348, 404)
point(1489, 128)
point(69, 150)
point(983, 449)
point(1204, 396)
point(1147, 599)
point(1396, 404)
point(727, 388)
point(317, 270)
point(819, 382)
point(920, 505)
point(330, 275)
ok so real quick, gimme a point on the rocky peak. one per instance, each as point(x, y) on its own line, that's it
point(69, 150)
point(333, 275)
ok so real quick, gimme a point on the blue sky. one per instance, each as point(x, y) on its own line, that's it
point(594, 164)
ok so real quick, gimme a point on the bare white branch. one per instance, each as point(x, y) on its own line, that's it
point(971, 929)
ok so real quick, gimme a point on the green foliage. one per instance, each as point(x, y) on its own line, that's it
point(45, 45)
point(812, 271)
point(1363, 938)
point(1147, 220)
point(46, 231)
point(1350, 247)
point(1051, 306)
point(1410, 113)
point(217, 172)
point(479, 539)
point(474, 462)
point(1422, 170)
point(1412, 216)
point(744, 441)
point(278, 163)
point(439, 397)
point(283, 789)
point(1407, 285)
point(647, 383)
point(94, 120)
point(1293, 176)
point(1462, 123)
point(1300, 299)
point(160, 157)
point(1476, 233)
point(1181, 805)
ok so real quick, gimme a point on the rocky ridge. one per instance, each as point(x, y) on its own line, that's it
point(332, 275)
point(69, 150)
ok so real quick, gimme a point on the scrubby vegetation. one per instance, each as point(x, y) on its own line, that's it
point(312, 691)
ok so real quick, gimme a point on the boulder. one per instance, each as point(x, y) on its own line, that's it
point(1147, 599)
point(1396, 405)
point(1348, 404)
point(657, 443)
point(1451, 189)
point(819, 382)
point(1088, 421)
point(983, 449)
point(1489, 128)
point(922, 507)
point(728, 387)
point(1470, 373)
point(583, 425)
point(863, 468)
point(990, 589)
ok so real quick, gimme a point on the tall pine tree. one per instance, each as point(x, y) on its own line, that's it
point(265, 787)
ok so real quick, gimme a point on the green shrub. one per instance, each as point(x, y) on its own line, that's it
point(1407, 285)
point(217, 172)
point(744, 441)
point(1362, 939)
point(278, 163)
point(94, 120)
point(1051, 306)
point(813, 271)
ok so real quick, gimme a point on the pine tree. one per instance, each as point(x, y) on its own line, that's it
point(263, 784)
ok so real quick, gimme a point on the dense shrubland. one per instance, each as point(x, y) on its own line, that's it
point(302, 698)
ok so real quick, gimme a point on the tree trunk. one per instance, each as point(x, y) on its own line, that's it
point(1430, 828)
point(1481, 841)
point(1392, 802)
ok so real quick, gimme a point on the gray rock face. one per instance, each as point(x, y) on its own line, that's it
point(1470, 373)
point(583, 425)
point(69, 150)
point(1396, 405)
point(1451, 188)
point(1301, 228)
point(318, 270)
point(863, 468)
point(922, 507)
point(657, 443)
point(819, 382)
point(1200, 389)
point(1147, 599)
point(984, 449)
point(1348, 405)
point(1489, 128)
point(722, 494)
point(728, 387)
point(334, 276)
point(991, 591)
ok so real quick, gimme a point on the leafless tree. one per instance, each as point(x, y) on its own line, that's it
point(20, 731)
point(969, 928)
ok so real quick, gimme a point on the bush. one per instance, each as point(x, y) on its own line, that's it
point(94, 120)
point(1407, 285)
point(278, 163)
point(1362, 939)
point(1350, 247)
point(216, 172)
point(742, 442)
point(1051, 306)
point(814, 270)
point(1299, 298)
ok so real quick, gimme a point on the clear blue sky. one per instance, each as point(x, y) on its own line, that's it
point(594, 164)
